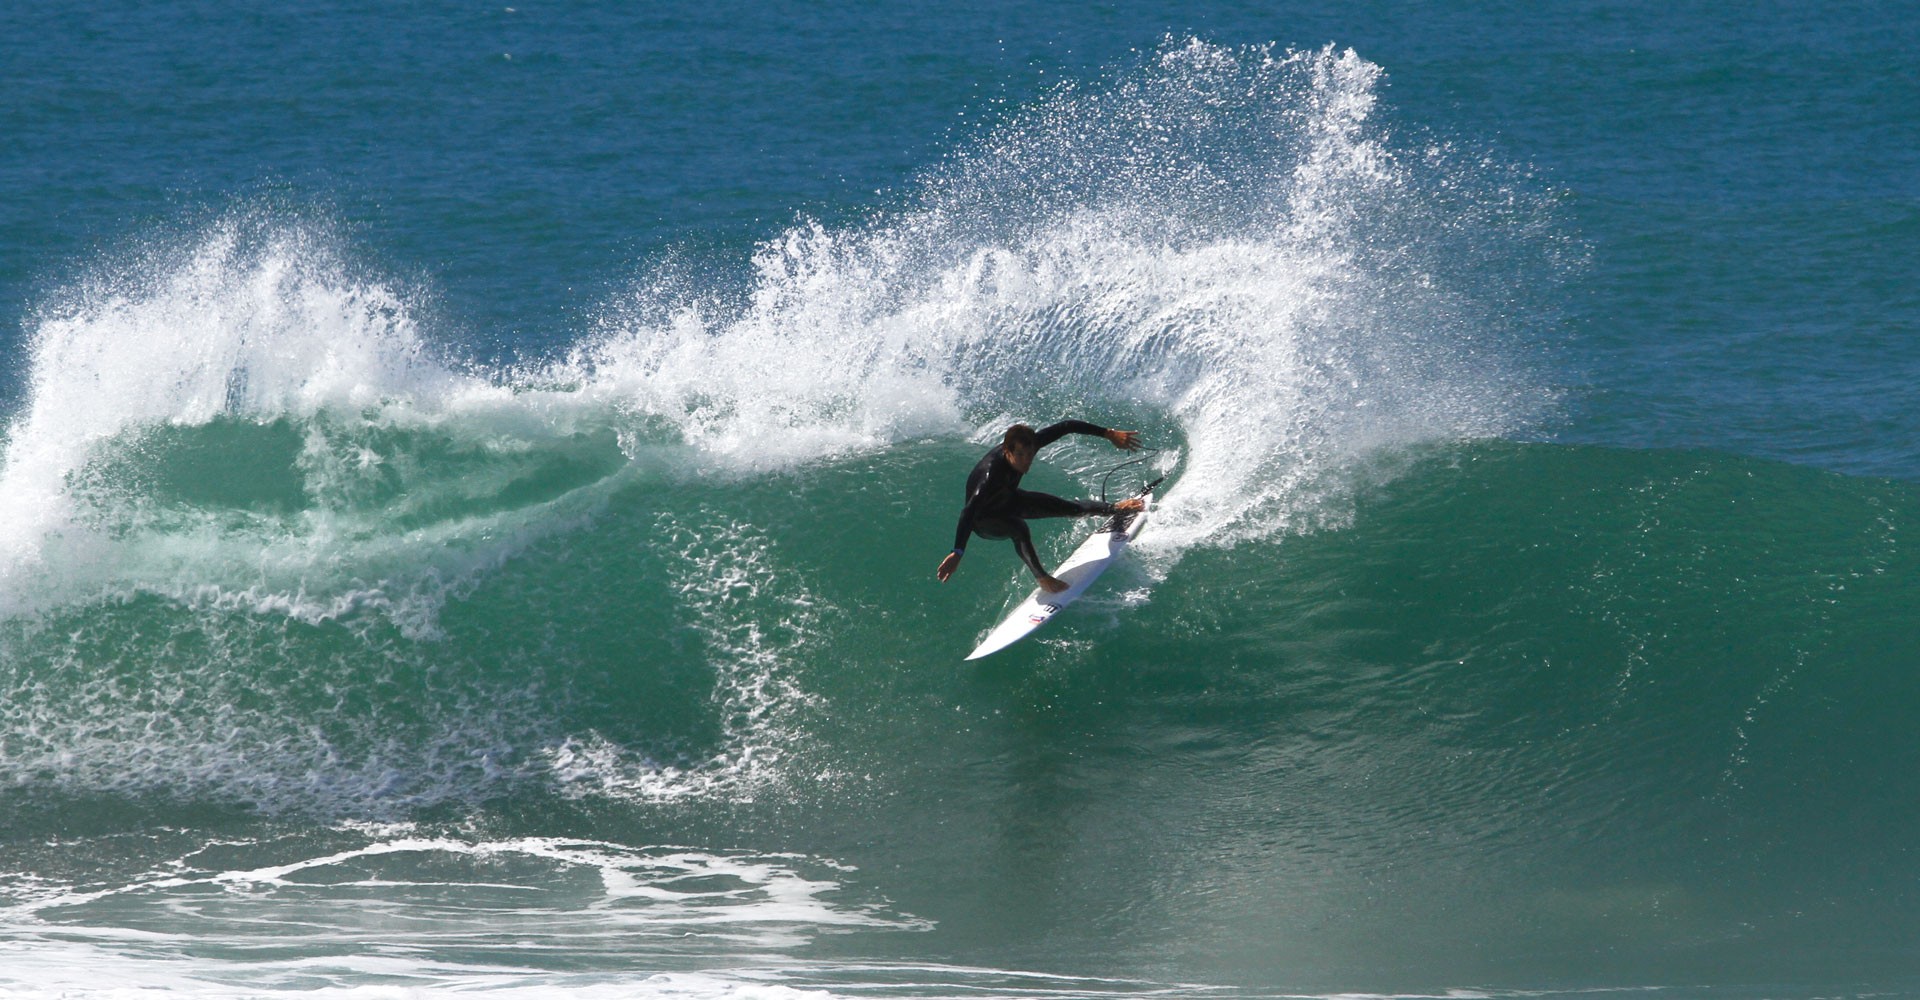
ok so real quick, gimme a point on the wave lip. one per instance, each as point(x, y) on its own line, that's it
point(253, 323)
point(1225, 246)
point(241, 422)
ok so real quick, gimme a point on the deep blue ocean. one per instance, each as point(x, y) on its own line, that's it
point(473, 476)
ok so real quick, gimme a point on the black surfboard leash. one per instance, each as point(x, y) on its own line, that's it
point(1145, 454)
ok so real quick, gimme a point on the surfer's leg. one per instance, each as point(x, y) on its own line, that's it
point(996, 528)
point(1032, 505)
point(1023, 544)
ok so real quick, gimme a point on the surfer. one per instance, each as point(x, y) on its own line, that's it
point(998, 508)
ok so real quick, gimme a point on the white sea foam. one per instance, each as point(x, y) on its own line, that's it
point(388, 917)
point(1222, 245)
point(256, 321)
point(86, 715)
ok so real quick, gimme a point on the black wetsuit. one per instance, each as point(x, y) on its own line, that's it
point(998, 508)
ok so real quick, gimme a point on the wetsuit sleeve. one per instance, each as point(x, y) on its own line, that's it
point(982, 482)
point(1054, 432)
point(966, 525)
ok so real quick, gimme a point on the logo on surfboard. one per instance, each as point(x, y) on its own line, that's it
point(1042, 613)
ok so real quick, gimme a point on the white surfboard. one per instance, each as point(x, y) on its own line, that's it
point(1079, 571)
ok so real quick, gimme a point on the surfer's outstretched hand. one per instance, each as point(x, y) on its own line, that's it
point(1124, 440)
point(947, 566)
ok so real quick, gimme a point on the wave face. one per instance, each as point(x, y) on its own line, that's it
point(275, 563)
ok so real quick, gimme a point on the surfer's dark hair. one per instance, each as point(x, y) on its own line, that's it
point(1022, 437)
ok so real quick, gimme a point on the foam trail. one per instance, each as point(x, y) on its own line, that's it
point(756, 632)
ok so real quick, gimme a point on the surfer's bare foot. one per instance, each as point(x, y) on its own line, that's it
point(1130, 505)
point(1052, 585)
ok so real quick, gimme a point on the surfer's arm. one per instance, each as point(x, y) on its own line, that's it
point(961, 533)
point(1123, 440)
point(952, 561)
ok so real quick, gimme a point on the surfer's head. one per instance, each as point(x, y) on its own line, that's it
point(1020, 444)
